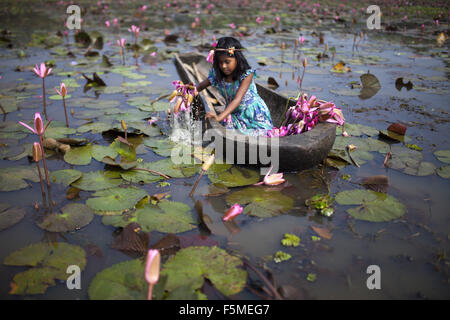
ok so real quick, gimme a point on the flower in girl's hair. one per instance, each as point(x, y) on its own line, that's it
point(231, 50)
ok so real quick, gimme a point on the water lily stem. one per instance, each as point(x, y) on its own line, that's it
point(42, 183)
point(351, 158)
point(152, 171)
point(65, 112)
point(196, 183)
point(265, 280)
point(150, 292)
point(41, 142)
point(43, 97)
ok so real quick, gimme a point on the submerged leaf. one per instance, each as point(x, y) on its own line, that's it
point(10, 216)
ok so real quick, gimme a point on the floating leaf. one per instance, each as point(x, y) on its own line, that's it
point(74, 216)
point(79, 156)
point(48, 262)
point(374, 206)
point(167, 167)
point(237, 177)
point(261, 202)
point(409, 161)
point(371, 85)
point(10, 216)
point(13, 178)
point(357, 130)
point(444, 172)
point(95, 127)
point(166, 216)
point(115, 199)
point(290, 240)
point(140, 176)
point(162, 147)
point(443, 155)
point(340, 68)
point(281, 256)
point(197, 263)
point(98, 180)
point(65, 177)
point(323, 232)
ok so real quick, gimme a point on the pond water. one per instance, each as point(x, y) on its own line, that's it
point(410, 250)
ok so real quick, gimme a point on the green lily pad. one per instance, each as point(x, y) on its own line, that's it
point(102, 104)
point(13, 178)
point(167, 167)
point(74, 216)
point(166, 216)
point(58, 132)
point(115, 199)
point(96, 127)
point(140, 176)
point(443, 155)
point(162, 147)
point(145, 128)
point(357, 130)
point(237, 177)
point(10, 216)
point(444, 172)
point(128, 116)
point(191, 265)
point(409, 161)
point(83, 155)
point(261, 202)
point(58, 97)
point(49, 263)
point(98, 180)
point(65, 177)
point(374, 206)
point(79, 156)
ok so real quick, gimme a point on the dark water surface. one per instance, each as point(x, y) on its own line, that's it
point(411, 251)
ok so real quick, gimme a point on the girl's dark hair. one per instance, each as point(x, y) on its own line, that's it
point(241, 63)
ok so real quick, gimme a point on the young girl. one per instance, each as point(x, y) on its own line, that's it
point(233, 77)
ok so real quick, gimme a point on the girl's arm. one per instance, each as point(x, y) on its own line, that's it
point(202, 85)
point(236, 101)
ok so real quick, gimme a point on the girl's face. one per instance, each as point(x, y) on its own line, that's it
point(227, 64)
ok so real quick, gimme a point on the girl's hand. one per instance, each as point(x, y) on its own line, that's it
point(211, 115)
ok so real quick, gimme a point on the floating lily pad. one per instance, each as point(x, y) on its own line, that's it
point(357, 130)
point(409, 161)
point(74, 216)
point(154, 107)
point(140, 176)
point(58, 132)
point(169, 168)
point(167, 216)
point(98, 180)
point(10, 216)
point(444, 172)
point(58, 97)
point(443, 155)
point(13, 178)
point(102, 104)
point(260, 202)
point(65, 177)
point(374, 206)
point(145, 128)
point(115, 199)
point(360, 155)
point(49, 263)
point(236, 177)
point(83, 155)
point(191, 265)
point(162, 147)
point(96, 127)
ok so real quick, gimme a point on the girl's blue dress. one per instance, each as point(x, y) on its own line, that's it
point(251, 117)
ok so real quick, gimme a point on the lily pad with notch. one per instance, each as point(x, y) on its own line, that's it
point(373, 206)
point(10, 216)
point(115, 199)
point(261, 202)
point(74, 216)
point(13, 178)
point(98, 180)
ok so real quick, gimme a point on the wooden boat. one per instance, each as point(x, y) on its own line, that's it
point(295, 152)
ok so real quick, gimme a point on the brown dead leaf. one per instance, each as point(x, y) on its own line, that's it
point(159, 196)
point(168, 245)
point(72, 193)
point(378, 183)
point(398, 128)
point(323, 232)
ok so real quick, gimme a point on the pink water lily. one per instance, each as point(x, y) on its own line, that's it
point(233, 212)
point(134, 30)
point(121, 42)
point(152, 270)
point(272, 179)
point(42, 71)
point(232, 26)
point(301, 39)
point(107, 23)
point(62, 90)
point(210, 57)
point(39, 128)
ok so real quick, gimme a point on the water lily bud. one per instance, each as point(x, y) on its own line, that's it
point(352, 147)
point(172, 95)
point(231, 213)
point(37, 152)
point(168, 111)
point(283, 46)
point(208, 163)
point(304, 62)
point(124, 126)
point(177, 105)
point(152, 266)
